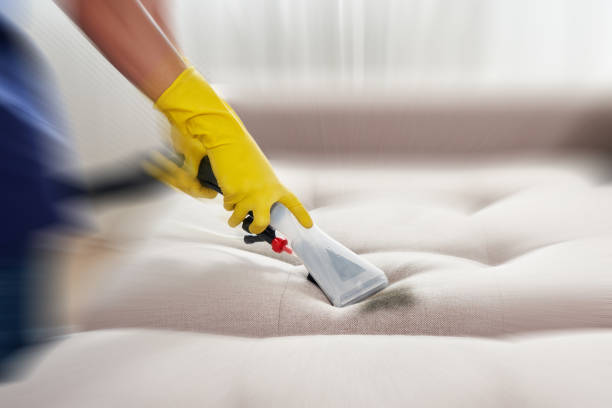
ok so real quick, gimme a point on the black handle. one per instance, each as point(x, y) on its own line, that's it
point(206, 177)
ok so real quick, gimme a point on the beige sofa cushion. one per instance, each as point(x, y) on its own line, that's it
point(474, 248)
point(162, 369)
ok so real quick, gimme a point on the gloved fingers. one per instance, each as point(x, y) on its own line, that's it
point(198, 191)
point(168, 172)
point(191, 148)
point(240, 212)
point(161, 168)
point(297, 209)
point(193, 158)
point(261, 219)
point(228, 205)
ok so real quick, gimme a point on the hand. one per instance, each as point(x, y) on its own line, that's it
point(244, 174)
point(168, 172)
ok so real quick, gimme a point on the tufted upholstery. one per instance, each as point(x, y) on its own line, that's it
point(161, 369)
point(485, 248)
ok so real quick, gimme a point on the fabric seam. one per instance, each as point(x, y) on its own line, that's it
point(280, 304)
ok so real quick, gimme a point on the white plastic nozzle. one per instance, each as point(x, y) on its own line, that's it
point(344, 277)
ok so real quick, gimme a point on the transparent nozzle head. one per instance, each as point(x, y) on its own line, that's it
point(344, 276)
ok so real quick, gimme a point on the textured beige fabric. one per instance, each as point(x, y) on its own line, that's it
point(163, 369)
point(481, 249)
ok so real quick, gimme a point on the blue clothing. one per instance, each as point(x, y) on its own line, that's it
point(28, 194)
point(27, 129)
point(13, 324)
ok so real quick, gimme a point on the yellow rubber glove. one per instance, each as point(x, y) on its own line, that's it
point(192, 150)
point(243, 172)
point(165, 170)
point(185, 177)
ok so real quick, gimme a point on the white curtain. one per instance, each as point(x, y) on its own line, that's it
point(492, 43)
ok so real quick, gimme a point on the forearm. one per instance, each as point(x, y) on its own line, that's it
point(129, 38)
point(160, 12)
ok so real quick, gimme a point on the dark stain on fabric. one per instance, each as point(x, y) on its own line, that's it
point(389, 299)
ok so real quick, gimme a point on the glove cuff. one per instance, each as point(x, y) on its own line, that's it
point(193, 106)
point(187, 95)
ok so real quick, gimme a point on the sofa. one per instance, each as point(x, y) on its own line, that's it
point(490, 216)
